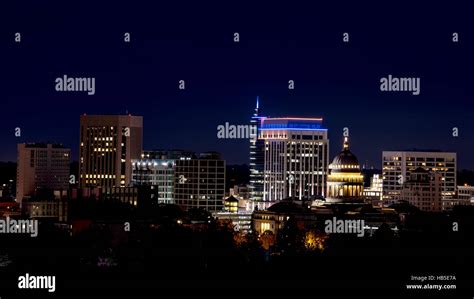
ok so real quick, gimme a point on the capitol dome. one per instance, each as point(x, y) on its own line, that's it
point(345, 182)
point(345, 161)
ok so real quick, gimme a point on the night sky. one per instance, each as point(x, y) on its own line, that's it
point(279, 41)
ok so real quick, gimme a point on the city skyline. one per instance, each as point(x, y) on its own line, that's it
point(245, 149)
point(242, 142)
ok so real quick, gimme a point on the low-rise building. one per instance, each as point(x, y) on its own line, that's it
point(274, 218)
point(423, 189)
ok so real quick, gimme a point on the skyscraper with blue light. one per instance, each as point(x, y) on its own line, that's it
point(295, 158)
point(256, 157)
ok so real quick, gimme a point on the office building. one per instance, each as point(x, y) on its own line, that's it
point(41, 166)
point(295, 159)
point(157, 168)
point(200, 182)
point(256, 157)
point(398, 165)
point(465, 197)
point(465, 192)
point(423, 189)
point(108, 143)
point(158, 173)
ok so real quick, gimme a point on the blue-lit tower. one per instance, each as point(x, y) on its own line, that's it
point(256, 158)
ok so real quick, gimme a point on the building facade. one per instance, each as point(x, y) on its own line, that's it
point(275, 217)
point(398, 165)
point(345, 181)
point(423, 189)
point(47, 209)
point(373, 194)
point(465, 197)
point(41, 166)
point(158, 173)
point(108, 143)
point(466, 192)
point(200, 182)
point(295, 159)
point(257, 158)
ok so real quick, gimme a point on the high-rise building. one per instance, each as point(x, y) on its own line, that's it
point(345, 181)
point(156, 168)
point(200, 182)
point(41, 166)
point(157, 173)
point(296, 159)
point(423, 190)
point(256, 157)
point(108, 143)
point(398, 165)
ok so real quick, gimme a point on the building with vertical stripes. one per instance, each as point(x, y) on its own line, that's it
point(41, 166)
point(398, 165)
point(108, 143)
point(295, 159)
point(256, 157)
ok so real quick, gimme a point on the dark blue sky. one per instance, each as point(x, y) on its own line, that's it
point(279, 41)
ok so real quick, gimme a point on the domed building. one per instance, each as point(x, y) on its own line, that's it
point(345, 182)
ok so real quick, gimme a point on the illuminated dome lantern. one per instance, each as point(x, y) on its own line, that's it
point(345, 181)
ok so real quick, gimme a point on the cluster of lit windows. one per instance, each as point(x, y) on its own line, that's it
point(264, 226)
point(343, 166)
point(101, 176)
point(103, 138)
point(344, 191)
point(104, 149)
point(344, 177)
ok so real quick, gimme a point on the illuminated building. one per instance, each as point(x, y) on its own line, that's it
point(274, 218)
point(423, 190)
point(157, 168)
point(345, 181)
point(373, 194)
point(240, 218)
point(398, 165)
point(296, 158)
point(157, 173)
point(108, 143)
point(465, 197)
point(465, 192)
point(256, 158)
point(200, 182)
point(41, 166)
point(242, 192)
point(162, 154)
point(231, 204)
